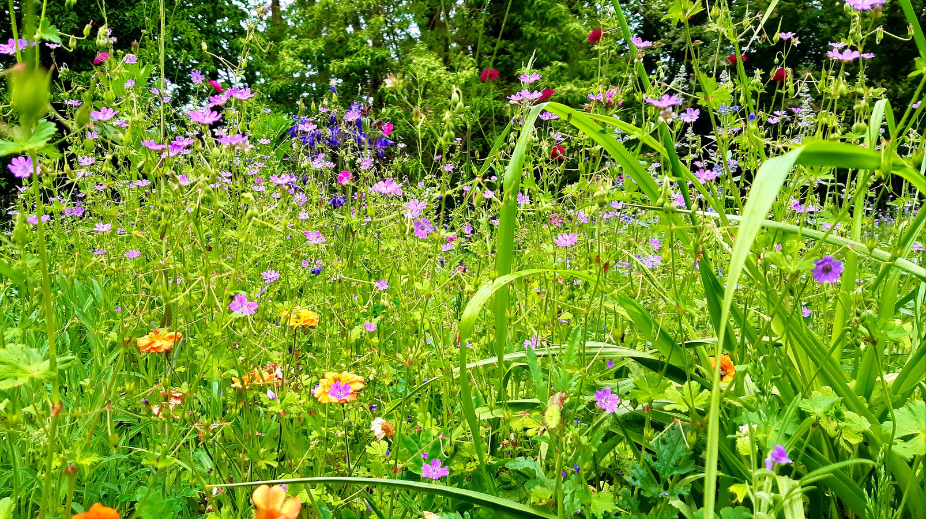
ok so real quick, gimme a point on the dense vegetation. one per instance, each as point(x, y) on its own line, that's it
point(500, 259)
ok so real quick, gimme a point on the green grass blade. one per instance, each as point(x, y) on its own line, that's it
point(762, 195)
point(507, 507)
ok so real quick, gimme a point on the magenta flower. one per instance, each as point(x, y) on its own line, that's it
point(344, 177)
point(828, 270)
point(566, 239)
point(864, 5)
point(204, 116)
point(339, 390)
point(423, 228)
point(387, 187)
point(666, 101)
point(414, 208)
point(21, 167)
point(846, 56)
point(605, 400)
point(786, 35)
point(241, 305)
point(103, 114)
point(241, 95)
point(434, 470)
point(777, 455)
point(270, 276)
point(530, 78)
point(690, 115)
point(234, 140)
point(314, 237)
point(153, 146)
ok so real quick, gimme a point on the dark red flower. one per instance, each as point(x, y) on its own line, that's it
point(595, 36)
point(546, 94)
point(732, 59)
point(216, 86)
point(780, 75)
point(489, 74)
point(558, 152)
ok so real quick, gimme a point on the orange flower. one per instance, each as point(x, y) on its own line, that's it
point(299, 317)
point(256, 377)
point(324, 385)
point(158, 341)
point(98, 511)
point(727, 370)
point(271, 503)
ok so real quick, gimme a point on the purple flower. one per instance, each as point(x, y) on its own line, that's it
point(131, 59)
point(271, 395)
point(103, 114)
point(339, 390)
point(132, 254)
point(532, 343)
point(828, 270)
point(21, 167)
point(423, 228)
point(381, 285)
point(241, 305)
point(605, 400)
point(777, 455)
point(434, 470)
point(86, 161)
point(524, 199)
point(197, 77)
point(152, 145)
point(566, 239)
point(371, 327)
point(387, 187)
point(528, 79)
point(414, 208)
point(270, 276)
point(690, 115)
point(102, 227)
point(204, 116)
point(786, 35)
point(846, 56)
point(864, 5)
point(314, 237)
point(666, 101)
point(806, 312)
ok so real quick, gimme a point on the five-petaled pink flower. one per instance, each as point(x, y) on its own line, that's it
point(103, 114)
point(241, 305)
point(204, 116)
point(434, 470)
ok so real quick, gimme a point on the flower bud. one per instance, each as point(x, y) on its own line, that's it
point(87, 29)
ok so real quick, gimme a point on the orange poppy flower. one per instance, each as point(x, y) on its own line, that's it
point(299, 317)
point(349, 379)
point(727, 370)
point(158, 341)
point(271, 503)
point(98, 511)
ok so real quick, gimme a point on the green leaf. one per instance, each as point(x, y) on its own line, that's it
point(20, 365)
point(910, 421)
point(155, 506)
point(49, 32)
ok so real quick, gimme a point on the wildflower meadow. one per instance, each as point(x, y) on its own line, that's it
point(476, 259)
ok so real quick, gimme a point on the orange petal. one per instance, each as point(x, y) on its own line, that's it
point(291, 508)
point(261, 496)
